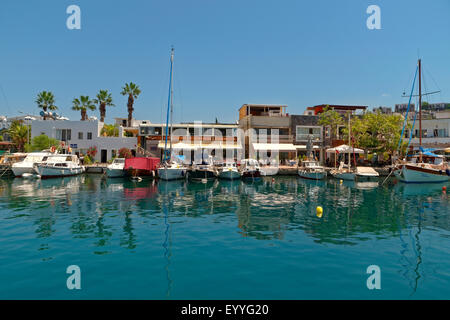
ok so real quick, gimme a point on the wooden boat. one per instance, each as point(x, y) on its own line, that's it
point(417, 171)
point(6, 162)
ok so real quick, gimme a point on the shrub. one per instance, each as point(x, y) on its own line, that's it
point(125, 153)
point(92, 151)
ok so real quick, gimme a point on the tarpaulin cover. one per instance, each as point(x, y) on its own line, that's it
point(146, 163)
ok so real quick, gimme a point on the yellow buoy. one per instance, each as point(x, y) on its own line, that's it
point(340, 181)
point(319, 212)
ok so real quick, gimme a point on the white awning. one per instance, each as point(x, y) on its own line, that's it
point(344, 149)
point(303, 147)
point(189, 146)
point(274, 146)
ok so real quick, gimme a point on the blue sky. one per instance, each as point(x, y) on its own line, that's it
point(227, 53)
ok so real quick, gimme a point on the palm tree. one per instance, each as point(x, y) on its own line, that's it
point(46, 101)
point(19, 135)
point(133, 91)
point(103, 99)
point(82, 105)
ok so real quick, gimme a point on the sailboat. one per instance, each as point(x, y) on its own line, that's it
point(417, 171)
point(343, 173)
point(311, 168)
point(169, 169)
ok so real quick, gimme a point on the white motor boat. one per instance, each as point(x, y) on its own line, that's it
point(171, 171)
point(59, 166)
point(228, 171)
point(366, 173)
point(311, 169)
point(27, 164)
point(116, 168)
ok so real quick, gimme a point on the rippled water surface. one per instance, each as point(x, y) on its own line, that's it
point(222, 240)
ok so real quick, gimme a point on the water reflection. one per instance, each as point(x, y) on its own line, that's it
point(264, 210)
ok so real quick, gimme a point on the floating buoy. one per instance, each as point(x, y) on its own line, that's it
point(319, 212)
point(273, 179)
point(340, 181)
point(444, 189)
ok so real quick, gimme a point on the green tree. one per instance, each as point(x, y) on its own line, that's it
point(376, 132)
point(110, 130)
point(332, 119)
point(82, 105)
point(19, 135)
point(133, 91)
point(43, 142)
point(46, 101)
point(103, 100)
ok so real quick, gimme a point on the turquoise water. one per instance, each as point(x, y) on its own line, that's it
point(222, 240)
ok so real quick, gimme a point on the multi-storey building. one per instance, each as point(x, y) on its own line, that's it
point(195, 141)
point(267, 132)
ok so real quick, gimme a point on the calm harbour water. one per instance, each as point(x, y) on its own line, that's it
point(222, 240)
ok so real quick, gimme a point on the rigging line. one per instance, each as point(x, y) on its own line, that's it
point(407, 110)
point(434, 81)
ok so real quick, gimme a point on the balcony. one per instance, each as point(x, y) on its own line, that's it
point(305, 137)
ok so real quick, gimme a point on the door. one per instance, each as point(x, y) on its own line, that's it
point(104, 156)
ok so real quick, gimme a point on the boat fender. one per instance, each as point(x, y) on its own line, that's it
point(448, 172)
point(319, 211)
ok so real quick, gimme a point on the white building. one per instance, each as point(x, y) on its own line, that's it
point(81, 135)
point(435, 133)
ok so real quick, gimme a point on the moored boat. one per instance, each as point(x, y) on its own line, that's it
point(62, 165)
point(366, 173)
point(228, 170)
point(169, 169)
point(141, 166)
point(422, 173)
point(116, 169)
point(202, 172)
point(311, 169)
point(250, 170)
point(27, 164)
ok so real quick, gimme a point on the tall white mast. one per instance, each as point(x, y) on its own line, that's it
point(171, 99)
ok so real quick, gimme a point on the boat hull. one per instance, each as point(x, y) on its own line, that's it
point(171, 173)
point(20, 170)
point(251, 175)
point(269, 171)
point(229, 174)
point(52, 172)
point(115, 173)
point(349, 176)
point(312, 175)
point(416, 174)
point(201, 175)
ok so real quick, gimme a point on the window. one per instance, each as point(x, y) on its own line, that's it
point(80, 135)
point(63, 134)
point(303, 133)
point(89, 135)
